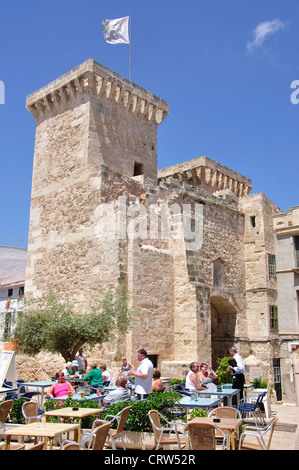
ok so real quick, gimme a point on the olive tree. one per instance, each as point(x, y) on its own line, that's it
point(50, 324)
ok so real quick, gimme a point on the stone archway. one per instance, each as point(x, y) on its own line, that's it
point(223, 324)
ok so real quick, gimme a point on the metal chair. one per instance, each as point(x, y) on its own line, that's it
point(114, 434)
point(247, 407)
point(5, 407)
point(161, 438)
point(202, 436)
point(93, 440)
point(258, 433)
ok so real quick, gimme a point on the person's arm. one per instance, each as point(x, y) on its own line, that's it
point(196, 383)
point(87, 377)
point(213, 374)
point(50, 392)
point(71, 387)
point(138, 374)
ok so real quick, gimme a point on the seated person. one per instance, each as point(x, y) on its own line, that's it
point(61, 388)
point(94, 377)
point(206, 375)
point(105, 373)
point(122, 393)
point(157, 385)
point(193, 382)
point(67, 371)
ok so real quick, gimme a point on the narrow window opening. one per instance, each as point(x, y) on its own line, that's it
point(138, 169)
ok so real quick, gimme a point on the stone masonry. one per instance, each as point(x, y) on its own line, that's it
point(95, 167)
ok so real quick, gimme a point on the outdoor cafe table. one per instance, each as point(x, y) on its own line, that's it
point(79, 397)
point(72, 413)
point(201, 402)
point(224, 392)
point(245, 386)
point(42, 384)
point(45, 430)
point(226, 424)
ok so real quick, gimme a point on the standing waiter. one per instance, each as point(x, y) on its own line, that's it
point(238, 371)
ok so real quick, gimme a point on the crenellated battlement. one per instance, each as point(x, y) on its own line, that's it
point(93, 79)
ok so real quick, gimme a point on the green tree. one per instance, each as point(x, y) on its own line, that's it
point(50, 324)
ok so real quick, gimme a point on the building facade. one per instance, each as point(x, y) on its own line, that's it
point(192, 246)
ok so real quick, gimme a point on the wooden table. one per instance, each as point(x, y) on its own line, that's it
point(45, 430)
point(226, 424)
point(71, 413)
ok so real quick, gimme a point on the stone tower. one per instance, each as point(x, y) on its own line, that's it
point(88, 121)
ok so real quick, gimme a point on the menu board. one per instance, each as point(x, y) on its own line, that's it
point(8, 370)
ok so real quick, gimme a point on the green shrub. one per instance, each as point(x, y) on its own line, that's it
point(224, 376)
point(259, 383)
point(138, 419)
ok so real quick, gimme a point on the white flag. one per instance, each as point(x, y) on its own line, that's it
point(116, 31)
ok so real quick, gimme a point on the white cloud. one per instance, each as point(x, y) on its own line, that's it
point(262, 31)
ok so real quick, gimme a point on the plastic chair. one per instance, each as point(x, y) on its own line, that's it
point(121, 419)
point(38, 446)
point(5, 407)
point(159, 432)
point(94, 439)
point(247, 407)
point(225, 412)
point(71, 446)
point(258, 433)
point(202, 436)
point(30, 412)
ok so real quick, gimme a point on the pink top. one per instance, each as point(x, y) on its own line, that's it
point(60, 390)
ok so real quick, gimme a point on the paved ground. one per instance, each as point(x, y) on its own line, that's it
point(286, 433)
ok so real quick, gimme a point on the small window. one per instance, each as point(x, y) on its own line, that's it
point(138, 169)
point(154, 359)
point(10, 293)
point(253, 221)
point(218, 273)
point(273, 318)
point(21, 291)
point(296, 242)
point(272, 265)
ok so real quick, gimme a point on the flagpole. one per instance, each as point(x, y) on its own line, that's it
point(130, 53)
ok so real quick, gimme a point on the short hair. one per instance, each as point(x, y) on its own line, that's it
point(202, 364)
point(143, 352)
point(156, 374)
point(233, 349)
point(121, 379)
point(192, 365)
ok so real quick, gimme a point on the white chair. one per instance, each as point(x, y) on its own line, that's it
point(114, 434)
point(166, 436)
point(94, 440)
point(262, 436)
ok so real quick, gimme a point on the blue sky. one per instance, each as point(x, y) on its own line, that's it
point(224, 66)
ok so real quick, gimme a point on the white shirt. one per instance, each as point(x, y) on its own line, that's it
point(189, 384)
point(143, 386)
point(106, 376)
point(239, 368)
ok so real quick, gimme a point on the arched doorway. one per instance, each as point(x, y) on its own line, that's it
point(223, 324)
